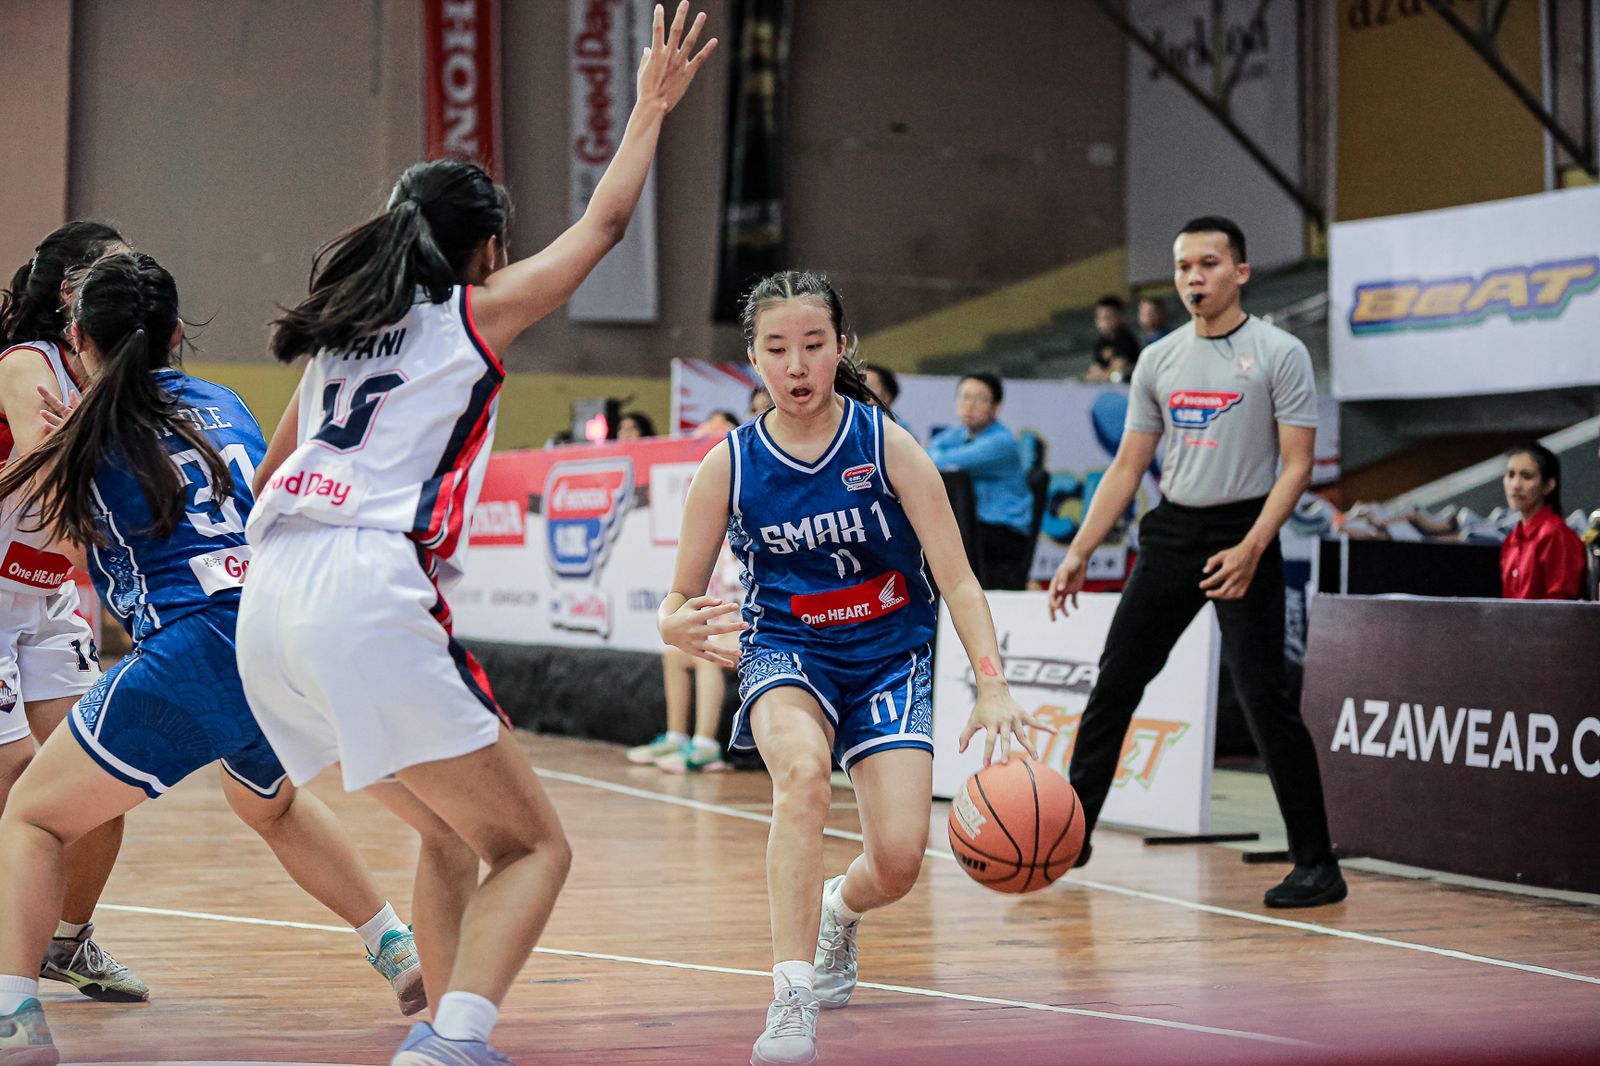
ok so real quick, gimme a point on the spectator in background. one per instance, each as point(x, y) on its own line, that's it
point(988, 452)
point(1541, 559)
point(635, 425)
point(760, 403)
point(884, 385)
point(1153, 319)
point(718, 424)
point(1110, 315)
point(1114, 357)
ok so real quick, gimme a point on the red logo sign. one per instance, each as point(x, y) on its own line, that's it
point(38, 569)
point(859, 477)
point(882, 595)
point(461, 80)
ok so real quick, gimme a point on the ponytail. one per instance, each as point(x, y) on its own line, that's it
point(128, 306)
point(439, 214)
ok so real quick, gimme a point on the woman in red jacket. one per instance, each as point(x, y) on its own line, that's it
point(1542, 559)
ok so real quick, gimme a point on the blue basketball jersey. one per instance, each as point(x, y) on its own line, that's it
point(830, 560)
point(149, 581)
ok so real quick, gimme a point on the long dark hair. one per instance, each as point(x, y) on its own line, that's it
point(30, 310)
point(1549, 469)
point(439, 215)
point(128, 305)
point(848, 380)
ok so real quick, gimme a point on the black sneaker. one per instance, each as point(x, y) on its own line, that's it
point(1083, 856)
point(1309, 886)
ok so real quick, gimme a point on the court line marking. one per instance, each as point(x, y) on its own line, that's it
point(1102, 886)
point(599, 956)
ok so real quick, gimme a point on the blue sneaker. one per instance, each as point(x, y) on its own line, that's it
point(25, 1037)
point(424, 1047)
point(397, 962)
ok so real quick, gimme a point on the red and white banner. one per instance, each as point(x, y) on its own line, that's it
point(461, 80)
point(699, 388)
point(574, 546)
point(604, 42)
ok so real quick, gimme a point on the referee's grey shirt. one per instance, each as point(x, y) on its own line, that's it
point(1218, 401)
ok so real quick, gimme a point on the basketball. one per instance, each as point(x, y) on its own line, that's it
point(1016, 826)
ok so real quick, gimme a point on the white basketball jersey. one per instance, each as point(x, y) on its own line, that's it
point(395, 430)
point(29, 564)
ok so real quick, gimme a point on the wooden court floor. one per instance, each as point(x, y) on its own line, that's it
point(658, 950)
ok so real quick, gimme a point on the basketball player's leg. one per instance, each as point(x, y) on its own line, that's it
point(447, 876)
point(92, 857)
point(894, 795)
point(63, 795)
point(492, 799)
point(795, 739)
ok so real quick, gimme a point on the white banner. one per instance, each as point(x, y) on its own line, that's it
point(1181, 163)
point(606, 39)
point(1163, 779)
point(1495, 297)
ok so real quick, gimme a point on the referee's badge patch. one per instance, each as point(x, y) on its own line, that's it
point(1244, 364)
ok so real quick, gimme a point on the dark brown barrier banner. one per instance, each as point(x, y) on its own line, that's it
point(1460, 735)
point(751, 242)
point(461, 81)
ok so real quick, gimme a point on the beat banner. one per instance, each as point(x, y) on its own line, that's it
point(605, 39)
point(461, 81)
point(1495, 297)
point(574, 546)
point(1460, 735)
point(1163, 779)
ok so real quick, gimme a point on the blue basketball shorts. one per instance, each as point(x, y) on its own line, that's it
point(874, 703)
point(172, 706)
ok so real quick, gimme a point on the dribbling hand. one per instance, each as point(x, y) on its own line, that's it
point(1003, 718)
point(667, 66)
point(1067, 583)
point(692, 627)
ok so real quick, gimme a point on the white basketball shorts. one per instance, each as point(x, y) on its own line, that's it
point(344, 659)
point(47, 652)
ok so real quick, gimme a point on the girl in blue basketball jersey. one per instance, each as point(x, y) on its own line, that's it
point(151, 473)
point(832, 508)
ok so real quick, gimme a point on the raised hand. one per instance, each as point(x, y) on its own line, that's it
point(670, 63)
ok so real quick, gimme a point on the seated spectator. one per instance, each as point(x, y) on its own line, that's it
point(1114, 357)
point(884, 385)
point(1541, 559)
point(635, 425)
point(1153, 319)
point(987, 451)
point(1110, 315)
point(717, 424)
point(760, 403)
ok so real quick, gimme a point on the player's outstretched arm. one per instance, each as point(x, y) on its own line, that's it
point(916, 481)
point(514, 298)
point(688, 619)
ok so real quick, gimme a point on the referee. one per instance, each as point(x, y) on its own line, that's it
point(1231, 395)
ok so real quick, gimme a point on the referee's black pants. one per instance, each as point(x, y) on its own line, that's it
point(1162, 596)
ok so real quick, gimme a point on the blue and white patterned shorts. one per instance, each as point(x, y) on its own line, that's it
point(875, 704)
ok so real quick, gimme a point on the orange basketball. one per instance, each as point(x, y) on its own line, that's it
point(1016, 826)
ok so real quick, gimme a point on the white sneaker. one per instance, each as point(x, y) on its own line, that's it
point(790, 1038)
point(834, 968)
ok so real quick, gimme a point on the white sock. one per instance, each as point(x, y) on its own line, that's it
point(383, 922)
point(14, 991)
point(464, 1016)
point(677, 738)
point(69, 931)
point(834, 901)
point(789, 976)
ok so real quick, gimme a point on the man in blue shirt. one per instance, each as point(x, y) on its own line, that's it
point(987, 451)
